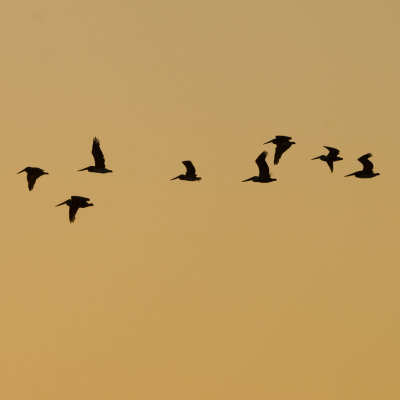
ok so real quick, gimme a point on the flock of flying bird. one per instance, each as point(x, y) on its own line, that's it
point(283, 143)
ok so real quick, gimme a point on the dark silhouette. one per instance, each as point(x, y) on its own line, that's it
point(367, 171)
point(282, 144)
point(190, 173)
point(32, 173)
point(330, 158)
point(100, 165)
point(264, 175)
point(74, 203)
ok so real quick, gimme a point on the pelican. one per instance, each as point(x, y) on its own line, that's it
point(99, 162)
point(32, 173)
point(264, 175)
point(330, 158)
point(74, 203)
point(367, 171)
point(282, 144)
point(190, 173)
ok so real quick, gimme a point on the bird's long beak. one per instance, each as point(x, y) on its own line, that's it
point(350, 174)
point(175, 178)
point(247, 180)
point(316, 158)
point(61, 203)
point(83, 169)
point(269, 141)
point(21, 171)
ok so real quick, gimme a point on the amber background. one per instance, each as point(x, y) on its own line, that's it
point(209, 290)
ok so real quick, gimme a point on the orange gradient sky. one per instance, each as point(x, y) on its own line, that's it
point(210, 290)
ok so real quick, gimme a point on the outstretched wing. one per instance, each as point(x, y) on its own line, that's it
point(98, 154)
point(190, 169)
point(332, 151)
point(280, 149)
point(31, 178)
point(367, 165)
point(330, 163)
point(73, 209)
point(262, 165)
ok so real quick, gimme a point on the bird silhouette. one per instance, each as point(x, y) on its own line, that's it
point(74, 203)
point(264, 175)
point(190, 173)
point(32, 173)
point(330, 158)
point(367, 171)
point(282, 143)
point(99, 161)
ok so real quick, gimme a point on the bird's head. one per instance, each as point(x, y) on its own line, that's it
point(178, 177)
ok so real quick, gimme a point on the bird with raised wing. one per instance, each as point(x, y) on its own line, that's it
point(32, 173)
point(99, 161)
point(282, 143)
point(190, 173)
point(368, 167)
point(74, 203)
point(264, 175)
point(330, 158)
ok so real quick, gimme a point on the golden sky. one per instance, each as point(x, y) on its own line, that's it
point(217, 289)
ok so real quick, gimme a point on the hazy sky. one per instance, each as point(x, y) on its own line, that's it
point(216, 289)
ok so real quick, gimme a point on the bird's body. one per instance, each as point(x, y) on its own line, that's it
point(282, 143)
point(74, 203)
point(264, 175)
point(100, 164)
point(368, 167)
point(33, 173)
point(330, 158)
point(190, 173)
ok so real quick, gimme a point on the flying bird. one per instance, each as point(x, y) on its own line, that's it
point(99, 161)
point(74, 203)
point(264, 175)
point(282, 144)
point(32, 173)
point(190, 173)
point(330, 158)
point(367, 171)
